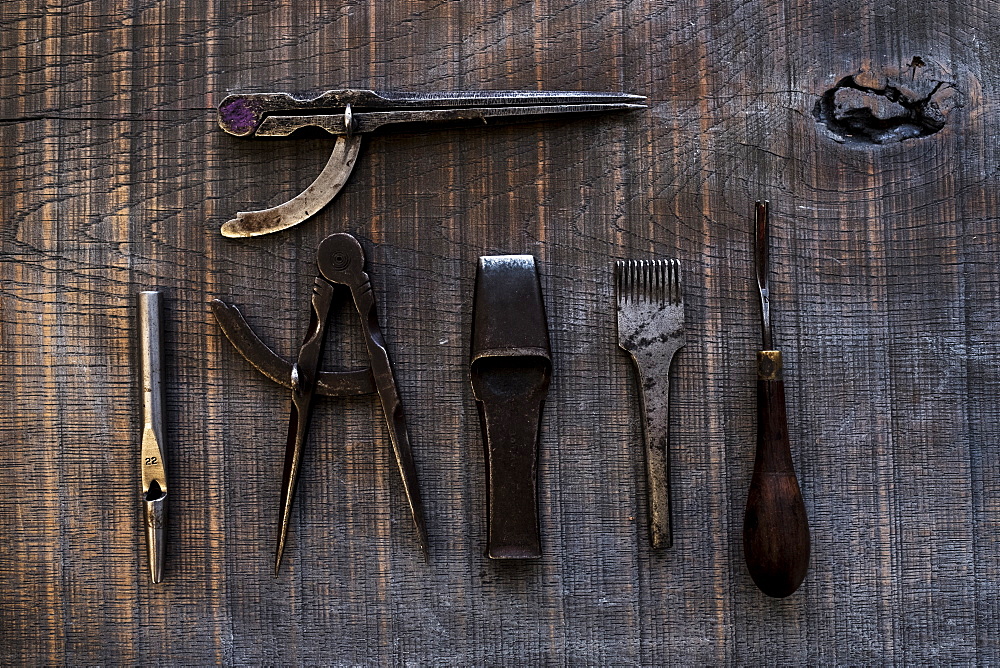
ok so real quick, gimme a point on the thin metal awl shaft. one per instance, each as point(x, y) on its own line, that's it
point(761, 262)
point(154, 475)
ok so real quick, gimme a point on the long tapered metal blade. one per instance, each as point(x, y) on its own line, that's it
point(241, 114)
point(284, 125)
point(303, 381)
point(298, 429)
point(351, 274)
point(392, 407)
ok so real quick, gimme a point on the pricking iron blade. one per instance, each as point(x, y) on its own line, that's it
point(341, 263)
point(350, 114)
point(510, 369)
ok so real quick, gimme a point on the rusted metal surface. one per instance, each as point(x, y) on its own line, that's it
point(510, 368)
point(341, 263)
point(886, 296)
point(651, 330)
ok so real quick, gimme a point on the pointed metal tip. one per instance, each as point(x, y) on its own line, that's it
point(611, 106)
point(280, 551)
point(624, 100)
point(421, 527)
point(424, 544)
point(620, 98)
point(282, 535)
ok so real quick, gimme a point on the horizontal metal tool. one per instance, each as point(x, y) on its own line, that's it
point(350, 114)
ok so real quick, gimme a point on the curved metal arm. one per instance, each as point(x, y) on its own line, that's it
point(278, 369)
point(304, 205)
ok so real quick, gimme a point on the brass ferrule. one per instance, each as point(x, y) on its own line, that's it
point(769, 364)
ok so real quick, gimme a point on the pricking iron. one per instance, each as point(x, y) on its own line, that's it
point(349, 114)
point(510, 369)
point(341, 263)
point(651, 330)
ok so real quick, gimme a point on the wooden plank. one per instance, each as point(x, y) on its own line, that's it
point(886, 288)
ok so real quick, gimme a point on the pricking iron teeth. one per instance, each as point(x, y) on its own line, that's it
point(350, 114)
point(341, 263)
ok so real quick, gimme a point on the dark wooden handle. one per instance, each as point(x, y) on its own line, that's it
point(775, 527)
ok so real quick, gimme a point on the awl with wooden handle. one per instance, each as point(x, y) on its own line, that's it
point(775, 527)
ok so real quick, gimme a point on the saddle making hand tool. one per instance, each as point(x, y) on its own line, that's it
point(349, 114)
point(154, 472)
point(341, 262)
point(775, 527)
point(510, 369)
point(651, 331)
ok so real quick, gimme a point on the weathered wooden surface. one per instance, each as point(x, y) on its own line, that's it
point(886, 289)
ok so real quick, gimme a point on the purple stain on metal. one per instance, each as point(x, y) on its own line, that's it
point(238, 116)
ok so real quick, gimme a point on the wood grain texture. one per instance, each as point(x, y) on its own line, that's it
point(885, 298)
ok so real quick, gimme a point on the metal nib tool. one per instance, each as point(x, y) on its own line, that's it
point(154, 474)
point(350, 114)
point(341, 263)
point(775, 527)
point(651, 330)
